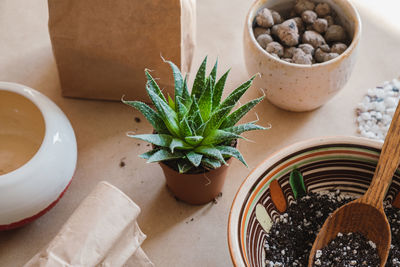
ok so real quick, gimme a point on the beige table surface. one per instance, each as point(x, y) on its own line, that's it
point(177, 234)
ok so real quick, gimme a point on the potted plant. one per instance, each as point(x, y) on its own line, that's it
point(195, 134)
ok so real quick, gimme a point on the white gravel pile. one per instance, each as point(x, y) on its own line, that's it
point(375, 112)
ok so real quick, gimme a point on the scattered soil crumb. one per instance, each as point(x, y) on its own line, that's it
point(122, 163)
point(215, 200)
point(138, 144)
point(191, 220)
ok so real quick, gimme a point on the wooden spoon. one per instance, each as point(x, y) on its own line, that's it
point(366, 215)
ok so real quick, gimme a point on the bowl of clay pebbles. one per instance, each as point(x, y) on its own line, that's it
point(282, 204)
point(304, 50)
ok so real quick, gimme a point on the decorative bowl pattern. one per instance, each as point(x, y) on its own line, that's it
point(345, 163)
point(38, 154)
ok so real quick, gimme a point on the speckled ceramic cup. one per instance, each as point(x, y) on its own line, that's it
point(296, 87)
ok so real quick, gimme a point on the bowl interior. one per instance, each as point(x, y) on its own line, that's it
point(21, 132)
point(344, 166)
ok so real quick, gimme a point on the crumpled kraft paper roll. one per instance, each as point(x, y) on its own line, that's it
point(102, 47)
point(101, 232)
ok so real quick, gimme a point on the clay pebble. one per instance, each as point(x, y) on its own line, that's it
point(275, 48)
point(322, 9)
point(309, 27)
point(335, 33)
point(313, 38)
point(320, 25)
point(259, 30)
point(264, 40)
point(264, 18)
point(309, 16)
point(288, 33)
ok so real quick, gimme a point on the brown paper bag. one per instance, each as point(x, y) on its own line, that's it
point(102, 47)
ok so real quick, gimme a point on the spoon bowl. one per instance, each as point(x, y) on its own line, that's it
point(355, 217)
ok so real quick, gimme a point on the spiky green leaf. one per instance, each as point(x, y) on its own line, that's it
point(178, 79)
point(163, 140)
point(152, 116)
point(218, 89)
point(210, 151)
point(185, 127)
point(184, 166)
point(153, 86)
point(163, 154)
point(216, 119)
point(186, 98)
point(234, 97)
point(205, 101)
point(238, 129)
point(233, 118)
point(213, 73)
point(194, 114)
point(178, 143)
point(148, 154)
point(194, 140)
point(228, 151)
point(171, 102)
point(166, 112)
point(218, 137)
point(181, 109)
point(211, 163)
point(194, 158)
point(200, 80)
point(200, 129)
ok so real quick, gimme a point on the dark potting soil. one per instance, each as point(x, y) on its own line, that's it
point(351, 249)
point(290, 238)
point(393, 215)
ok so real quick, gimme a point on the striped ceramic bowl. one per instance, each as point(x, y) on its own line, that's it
point(345, 163)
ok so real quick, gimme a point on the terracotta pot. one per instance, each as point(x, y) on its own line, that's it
point(195, 189)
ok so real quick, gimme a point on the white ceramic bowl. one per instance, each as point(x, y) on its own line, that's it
point(296, 87)
point(38, 154)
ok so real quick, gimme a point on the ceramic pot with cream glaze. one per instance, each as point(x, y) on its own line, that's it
point(38, 154)
point(296, 87)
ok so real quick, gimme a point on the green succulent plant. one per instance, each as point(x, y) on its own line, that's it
point(194, 130)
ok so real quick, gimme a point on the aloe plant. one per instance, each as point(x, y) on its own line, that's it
point(194, 130)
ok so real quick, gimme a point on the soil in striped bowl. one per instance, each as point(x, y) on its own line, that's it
point(351, 249)
point(290, 238)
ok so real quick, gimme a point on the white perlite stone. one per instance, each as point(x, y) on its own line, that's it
point(375, 112)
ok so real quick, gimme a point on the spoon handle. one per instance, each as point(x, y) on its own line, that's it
point(388, 162)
